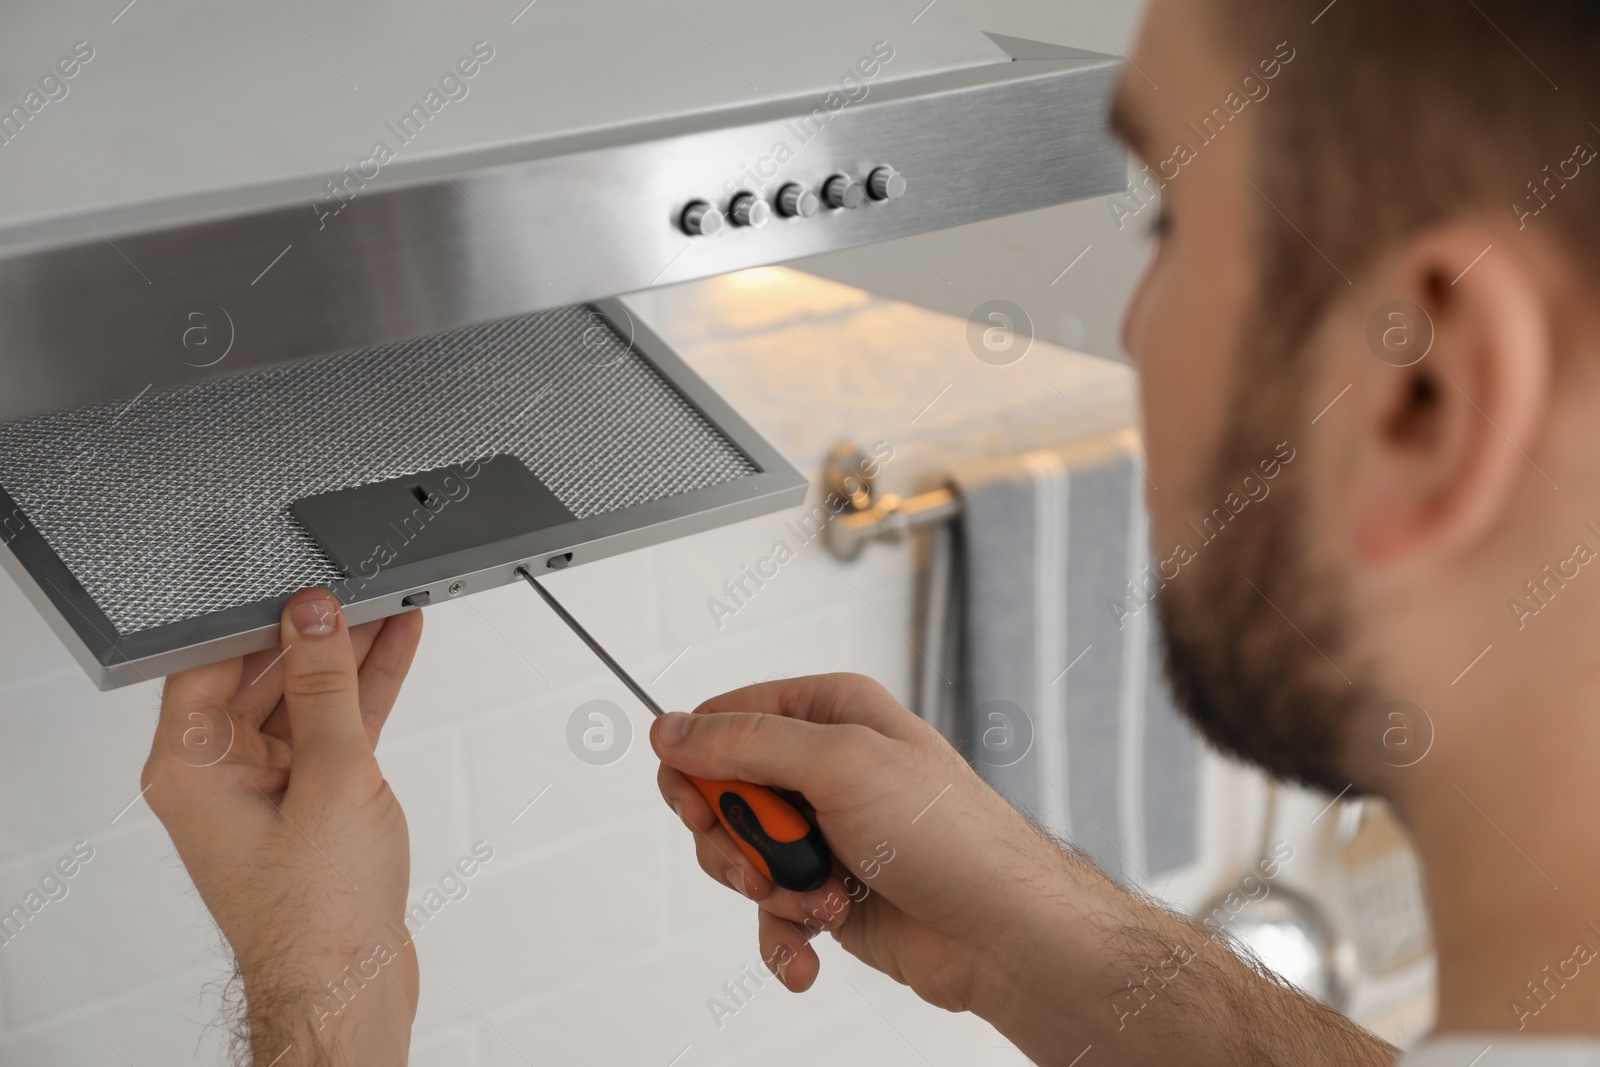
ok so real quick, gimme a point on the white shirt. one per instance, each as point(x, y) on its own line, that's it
point(1499, 1050)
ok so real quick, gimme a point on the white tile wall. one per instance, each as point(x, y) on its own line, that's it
point(591, 937)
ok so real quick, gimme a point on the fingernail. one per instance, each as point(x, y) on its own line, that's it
point(315, 616)
point(736, 879)
point(674, 727)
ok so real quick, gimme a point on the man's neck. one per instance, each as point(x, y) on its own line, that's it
point(1508, 846)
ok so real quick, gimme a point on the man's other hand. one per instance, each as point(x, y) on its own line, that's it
point(263, 773)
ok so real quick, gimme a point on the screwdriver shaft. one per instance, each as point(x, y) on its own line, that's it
point(781, 841)
point(594, 646)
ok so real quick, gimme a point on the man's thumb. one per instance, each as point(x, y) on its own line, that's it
point(320, 688)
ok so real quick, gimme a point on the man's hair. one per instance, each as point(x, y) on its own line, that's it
point(1396, 114)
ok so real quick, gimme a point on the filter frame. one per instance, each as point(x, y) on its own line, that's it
point(113, 659)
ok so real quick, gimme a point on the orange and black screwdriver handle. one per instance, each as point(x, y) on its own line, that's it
point(780, 840)
point(773, 834)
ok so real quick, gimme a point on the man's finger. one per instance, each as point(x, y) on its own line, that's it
point(806, 757)
point(213, 684)
point(786, 952)
point(260, 687)
point(683, 798)
point(384, 668)
point(319, 685)
point(273, 719)
point(204, 691)
point(822, 698)
point(363, 637)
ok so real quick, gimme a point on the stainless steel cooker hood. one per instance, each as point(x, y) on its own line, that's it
point(268, 272)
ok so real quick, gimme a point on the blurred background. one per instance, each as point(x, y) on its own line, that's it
point(591, 936)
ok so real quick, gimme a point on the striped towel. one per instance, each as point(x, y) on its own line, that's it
point(1042, 667)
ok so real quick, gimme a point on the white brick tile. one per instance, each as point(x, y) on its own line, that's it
point(167, 1023)
point(70, 758)
point(130, 916)
point(784, 647)
point(855, 1015)
point(27, 646)
point(522, 753)
point(477, 653)
point(885, 581)
point(536, 925)
point(450, 1046)
point(879, 640)
point(615, 599)
point(852, 1016)
point(696, 571)
point(646, 1013)
point(70, 1043)
point(503, 645)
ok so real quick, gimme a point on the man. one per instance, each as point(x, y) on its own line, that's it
point(1380, 243)
point(1383, 250)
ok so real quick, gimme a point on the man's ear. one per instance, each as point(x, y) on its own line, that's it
point(1443, 442)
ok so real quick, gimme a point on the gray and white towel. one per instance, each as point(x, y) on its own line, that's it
point(1042, 664)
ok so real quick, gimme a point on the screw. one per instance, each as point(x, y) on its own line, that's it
point(456, 587)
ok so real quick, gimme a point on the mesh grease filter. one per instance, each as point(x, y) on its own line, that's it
point(175, 505)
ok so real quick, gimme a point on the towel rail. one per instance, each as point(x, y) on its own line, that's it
point(868, 515)
point(872, 516)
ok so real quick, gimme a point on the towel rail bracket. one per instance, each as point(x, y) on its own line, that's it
point(873, 516)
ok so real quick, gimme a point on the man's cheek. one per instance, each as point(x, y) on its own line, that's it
point(1156, 339)
point(1135, 323)
point(1173, 541)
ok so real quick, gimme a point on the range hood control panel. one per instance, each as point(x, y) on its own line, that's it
point(500, 224)
point(701, 218)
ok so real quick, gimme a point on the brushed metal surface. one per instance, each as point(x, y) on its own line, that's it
point(496, 231)
point(260, 103)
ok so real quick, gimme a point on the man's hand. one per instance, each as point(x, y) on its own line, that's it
point(933, 865)
point(943, 886)
point(263, 773)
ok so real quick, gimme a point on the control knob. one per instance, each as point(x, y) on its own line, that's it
point(886, 183)
point(747, 209)
point(841, 190)
point(700, 219)
point(795, 200)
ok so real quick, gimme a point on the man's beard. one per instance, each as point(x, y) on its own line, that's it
point(1250, 626)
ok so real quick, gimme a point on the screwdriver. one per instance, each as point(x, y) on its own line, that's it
point(782, 842)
